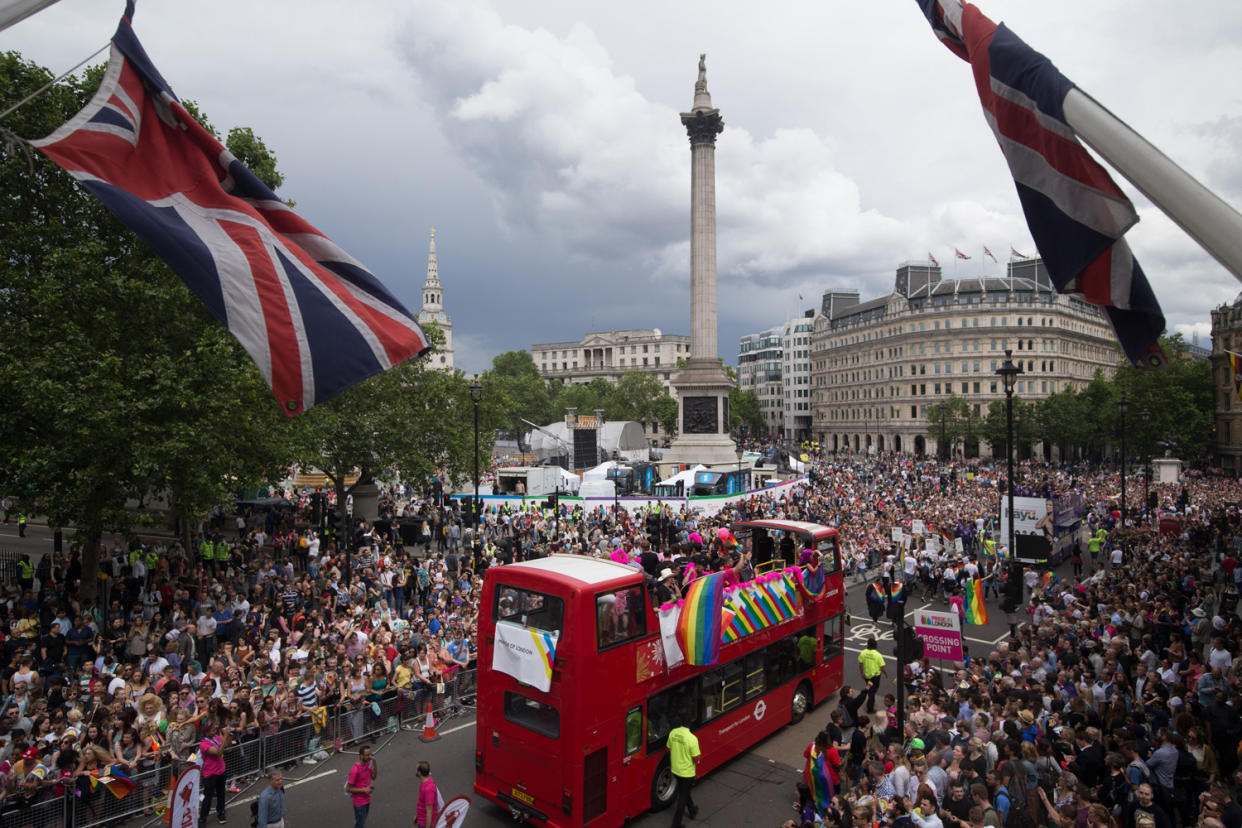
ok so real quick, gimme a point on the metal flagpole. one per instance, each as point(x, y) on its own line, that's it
point(1205, 217)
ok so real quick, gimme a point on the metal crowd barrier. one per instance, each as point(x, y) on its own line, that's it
point(246, 761)
point(98, 805)
point(296, 743)
point(453, 698)
point(50, 813)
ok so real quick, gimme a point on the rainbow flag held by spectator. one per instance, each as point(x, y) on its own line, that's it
point(116, 781)
point(699, 626)
point(976, 610)
point(819, 780)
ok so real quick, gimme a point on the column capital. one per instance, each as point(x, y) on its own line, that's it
point(702, 126)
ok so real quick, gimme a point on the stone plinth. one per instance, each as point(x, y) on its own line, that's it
point(366, 501)
point(1167, 469)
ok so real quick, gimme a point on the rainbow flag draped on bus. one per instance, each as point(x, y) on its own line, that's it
point(976, 610)
point(699, 626)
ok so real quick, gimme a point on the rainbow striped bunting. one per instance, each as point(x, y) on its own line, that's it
point(699, 626)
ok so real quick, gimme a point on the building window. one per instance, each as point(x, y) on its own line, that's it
point(965, 387)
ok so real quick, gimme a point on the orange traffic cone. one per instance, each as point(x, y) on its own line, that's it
point(429, 727)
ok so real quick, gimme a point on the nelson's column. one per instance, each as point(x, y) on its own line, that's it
point(702, 386)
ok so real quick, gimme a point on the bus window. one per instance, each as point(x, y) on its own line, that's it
point(834, 637)
point(620, 616)
point(681, 702)
point(755, 684)
point(731, 688)
point(781, 661)
point(530, 609)
point(633, 730)
point(533, 714)
point(828, 558)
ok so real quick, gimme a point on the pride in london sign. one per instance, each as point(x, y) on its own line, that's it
point(941, 633)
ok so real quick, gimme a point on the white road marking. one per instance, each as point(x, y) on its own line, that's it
point(455, 729)
point(248, 799)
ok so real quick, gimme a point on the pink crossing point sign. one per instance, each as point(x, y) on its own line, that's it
point(941, 633)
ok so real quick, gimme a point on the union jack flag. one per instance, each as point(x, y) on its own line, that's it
point(312, 318)
point(988, 253)
point(959, 254)
point(1076, 214)
point(1013, 252)
point(933, 259)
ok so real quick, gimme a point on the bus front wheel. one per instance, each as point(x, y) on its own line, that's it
point(802, 699)
point(663, 786)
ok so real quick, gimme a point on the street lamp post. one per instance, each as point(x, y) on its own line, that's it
point(944, 453)
point(476, 396)
point(1009, 374)
point(1123, 404)
point(1145, 416)
point(740, 451)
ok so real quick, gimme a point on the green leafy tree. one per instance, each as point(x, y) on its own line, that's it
point(640, 397)
point(994, 425)
point(947, 422)
point(515, 391)
point(744, 411)
point(249, 149)
point(414, 418)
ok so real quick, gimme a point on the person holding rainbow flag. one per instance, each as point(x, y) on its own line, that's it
point(822, 771)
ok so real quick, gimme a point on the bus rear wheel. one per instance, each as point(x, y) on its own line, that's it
point(663, 786)
point(802, 700)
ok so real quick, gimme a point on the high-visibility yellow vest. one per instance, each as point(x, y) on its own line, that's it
point(27, 570)
point(206, 550)
point(222, 551)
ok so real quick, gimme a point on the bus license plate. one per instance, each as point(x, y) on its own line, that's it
point(522, 795)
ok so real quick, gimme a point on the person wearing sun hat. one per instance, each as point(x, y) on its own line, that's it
point(667, 590)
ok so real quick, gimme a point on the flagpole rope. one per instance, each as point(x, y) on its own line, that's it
point(52, 82)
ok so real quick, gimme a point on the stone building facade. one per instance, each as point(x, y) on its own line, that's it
point(878, 365)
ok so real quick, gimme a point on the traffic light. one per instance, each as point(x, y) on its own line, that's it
point(909, 647)
point(1013, 591)
point(653, 530)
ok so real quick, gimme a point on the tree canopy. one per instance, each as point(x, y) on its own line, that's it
point(1170, 407)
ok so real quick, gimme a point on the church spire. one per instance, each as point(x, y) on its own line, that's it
point(433, 312)
point(433, 271)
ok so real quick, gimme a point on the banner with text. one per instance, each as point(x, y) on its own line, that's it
point(525, 653)
point(1032, 524)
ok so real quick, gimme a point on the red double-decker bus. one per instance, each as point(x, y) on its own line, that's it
point(590, 749)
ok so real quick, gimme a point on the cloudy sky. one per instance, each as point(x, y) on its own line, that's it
point(541, 139)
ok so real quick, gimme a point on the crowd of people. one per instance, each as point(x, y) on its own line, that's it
point(262, 621)
point(1116, 701)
